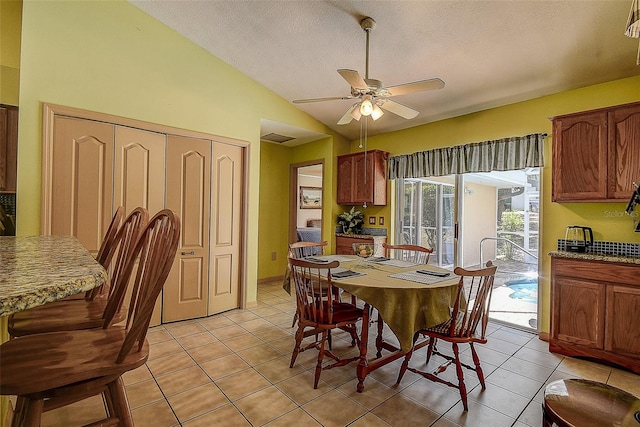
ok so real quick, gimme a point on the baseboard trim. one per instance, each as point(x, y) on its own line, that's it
point(270, 279)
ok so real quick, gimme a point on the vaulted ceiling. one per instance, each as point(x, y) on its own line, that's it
point(489, 53)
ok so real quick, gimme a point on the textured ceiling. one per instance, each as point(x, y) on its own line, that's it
point(489, 53)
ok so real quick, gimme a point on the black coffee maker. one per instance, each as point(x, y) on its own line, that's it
point(578, 238)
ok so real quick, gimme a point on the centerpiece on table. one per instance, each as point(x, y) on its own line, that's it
point(351, 221)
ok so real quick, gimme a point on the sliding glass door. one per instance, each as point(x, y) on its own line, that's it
point(471, 218)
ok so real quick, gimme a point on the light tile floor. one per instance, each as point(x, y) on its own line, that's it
point(232, 369)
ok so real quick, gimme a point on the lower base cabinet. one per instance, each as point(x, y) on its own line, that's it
point(594, 310)
point(344, 244)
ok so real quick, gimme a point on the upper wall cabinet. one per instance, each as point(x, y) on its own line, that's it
point(363, 179)
point(596, 154)
point(8, 148)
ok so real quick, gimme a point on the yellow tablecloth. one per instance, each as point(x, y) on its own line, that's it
point(405, 306)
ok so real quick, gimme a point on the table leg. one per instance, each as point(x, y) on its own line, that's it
point(362, 369)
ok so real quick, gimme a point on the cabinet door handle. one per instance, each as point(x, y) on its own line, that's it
point(189, 253)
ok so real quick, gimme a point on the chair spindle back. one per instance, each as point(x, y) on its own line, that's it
point(156, 249)
point(471, 307)
point(122, 250)
point(315, 296)
point(412, 253)
point(305, 249)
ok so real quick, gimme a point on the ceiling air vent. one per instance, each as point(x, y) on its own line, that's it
point(274, 137)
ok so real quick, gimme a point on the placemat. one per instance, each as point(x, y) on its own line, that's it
point(341, 273)
point(426, 279)
point(340, 258)
point(395, 262)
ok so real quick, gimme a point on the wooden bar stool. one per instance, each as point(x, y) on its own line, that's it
point(584, 403)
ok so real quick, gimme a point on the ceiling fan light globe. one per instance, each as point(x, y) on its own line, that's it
point(366, 107)
point(356, 114)
point(376, 113)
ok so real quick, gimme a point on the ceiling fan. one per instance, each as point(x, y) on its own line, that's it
point(372, 96)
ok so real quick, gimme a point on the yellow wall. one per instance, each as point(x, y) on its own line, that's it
point(274, 198)
point(606, 219)
point(274, 209)
point(111, 57)
point(10, 24)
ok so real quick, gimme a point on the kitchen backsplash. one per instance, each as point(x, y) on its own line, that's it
point(8, 202)
point(608, 248)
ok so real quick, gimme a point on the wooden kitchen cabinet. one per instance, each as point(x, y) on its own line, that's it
point(594, 310)
point(8, 148)
point(595, 154)
point(344, 244)
point(362, 179)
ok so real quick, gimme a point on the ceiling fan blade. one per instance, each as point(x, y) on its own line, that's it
point(399, 109)
point(353, 78)
point(347, 117)
point(331, 98)
point(418, 86)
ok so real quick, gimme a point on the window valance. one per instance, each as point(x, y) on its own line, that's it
point(512, 153)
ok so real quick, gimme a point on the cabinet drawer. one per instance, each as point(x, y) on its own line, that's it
point(623, 274)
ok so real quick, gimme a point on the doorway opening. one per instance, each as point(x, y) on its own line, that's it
point(306, 201)
point(471, 218)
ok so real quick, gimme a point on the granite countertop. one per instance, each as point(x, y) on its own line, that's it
point(360, 236)
point(595, 257)
point(35, 270)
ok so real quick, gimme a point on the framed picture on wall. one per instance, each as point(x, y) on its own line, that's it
point(310, 197)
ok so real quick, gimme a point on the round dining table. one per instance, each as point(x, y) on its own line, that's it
point(406, 300)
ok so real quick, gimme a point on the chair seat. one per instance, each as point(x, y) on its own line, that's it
point(345, 312)
point(443, 330)
point(65, 315)
point(70, 357)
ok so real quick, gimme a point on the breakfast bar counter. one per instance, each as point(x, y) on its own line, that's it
point(35, 270)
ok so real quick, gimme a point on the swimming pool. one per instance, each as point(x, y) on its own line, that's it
point(524, 289)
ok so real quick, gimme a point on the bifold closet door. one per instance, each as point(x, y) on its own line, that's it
point(81, 186)
point(139, 178)
point(226, 219)
point(186, 291)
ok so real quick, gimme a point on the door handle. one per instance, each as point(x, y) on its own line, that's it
point(189, 253)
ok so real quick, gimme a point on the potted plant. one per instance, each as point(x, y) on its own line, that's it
point(351, 221)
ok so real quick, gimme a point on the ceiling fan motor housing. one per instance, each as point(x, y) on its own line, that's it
point(368, 24)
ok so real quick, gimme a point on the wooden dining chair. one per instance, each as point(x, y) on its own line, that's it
point(91, 312)
point(320, 311)
point(47, 371)
point(467, 324)
point(300, 250)
point(413, 253)
point(305, 249)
